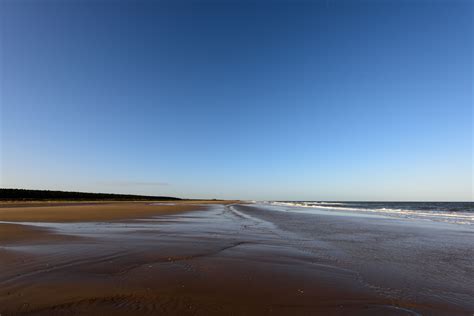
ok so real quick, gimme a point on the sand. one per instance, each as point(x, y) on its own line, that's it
point(218, 258)
point(93, 211)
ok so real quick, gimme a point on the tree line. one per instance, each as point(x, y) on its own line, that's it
point(24, 195)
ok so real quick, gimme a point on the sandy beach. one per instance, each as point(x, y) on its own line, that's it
point(227, 258)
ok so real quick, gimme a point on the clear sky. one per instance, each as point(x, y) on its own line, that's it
point(314, 100)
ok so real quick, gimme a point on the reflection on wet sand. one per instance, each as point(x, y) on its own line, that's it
point(222, 259)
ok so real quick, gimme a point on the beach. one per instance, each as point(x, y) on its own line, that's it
point(228, 258)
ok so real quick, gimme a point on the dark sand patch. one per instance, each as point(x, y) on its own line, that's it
point(11, 234)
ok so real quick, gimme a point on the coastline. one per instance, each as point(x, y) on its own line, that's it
point(198, 258)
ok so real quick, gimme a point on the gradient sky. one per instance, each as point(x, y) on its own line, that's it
point(320, 100)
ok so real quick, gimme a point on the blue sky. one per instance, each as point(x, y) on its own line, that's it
point(314, 100)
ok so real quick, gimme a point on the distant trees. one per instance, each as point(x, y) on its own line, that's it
point(25, 195)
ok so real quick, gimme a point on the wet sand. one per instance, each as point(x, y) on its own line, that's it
point(227, 259)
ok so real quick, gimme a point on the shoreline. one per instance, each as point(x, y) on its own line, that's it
point(212, 259)
point(41, 203)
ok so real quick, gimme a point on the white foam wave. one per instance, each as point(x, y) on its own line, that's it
point(449, 217)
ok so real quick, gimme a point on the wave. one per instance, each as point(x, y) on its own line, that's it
point(465, 216)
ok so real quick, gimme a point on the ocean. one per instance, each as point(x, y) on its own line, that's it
point(450, 212)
